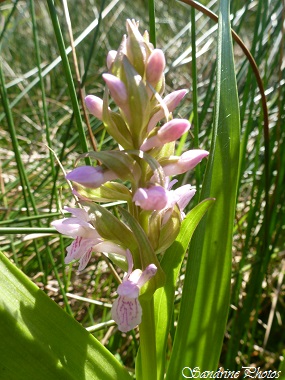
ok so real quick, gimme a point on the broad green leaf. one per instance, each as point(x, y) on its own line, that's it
point(206, 290)
point(39, 341)
point(171, 263)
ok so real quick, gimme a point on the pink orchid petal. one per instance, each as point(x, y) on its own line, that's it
point(78, 212)
point(117, 89)
point(85, 260)
point(127, 313)
point(78, 248)
point(90, 176)
point(155, 66)
point(170, 131)
point(152, 198)
point(147, 274)
point(171, 101)
point(95, 106)
point(187, 161)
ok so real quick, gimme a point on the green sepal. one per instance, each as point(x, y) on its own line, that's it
point(109, 191)
point(116, 68)
point(153, 226)
point(162, 236)
point(137, 49)
point(138, 103)
point(115, 125)
point(169, 230)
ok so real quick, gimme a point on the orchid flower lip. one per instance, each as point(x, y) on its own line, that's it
point(126, 309)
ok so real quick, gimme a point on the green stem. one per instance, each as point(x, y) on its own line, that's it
point(69, 78)
point(152, 31)
point(147, 352)
point(195, 97)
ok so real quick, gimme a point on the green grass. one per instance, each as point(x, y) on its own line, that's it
point(40, 107)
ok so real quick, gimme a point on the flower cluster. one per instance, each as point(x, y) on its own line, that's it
point(137, 173)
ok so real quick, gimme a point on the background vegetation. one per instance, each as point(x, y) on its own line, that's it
point(38, 111)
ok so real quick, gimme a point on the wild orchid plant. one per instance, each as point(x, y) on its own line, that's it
point(147, 234)
point(146, 133)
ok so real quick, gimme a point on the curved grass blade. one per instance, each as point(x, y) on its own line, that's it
point(206, 291)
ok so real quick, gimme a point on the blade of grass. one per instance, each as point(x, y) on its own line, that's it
point(152, 26)
point(195, 97)
point(69, 78)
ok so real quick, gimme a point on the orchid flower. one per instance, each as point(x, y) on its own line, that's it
point(152, 198)
point(126, 310)
point(180, 196)
point(86, 238)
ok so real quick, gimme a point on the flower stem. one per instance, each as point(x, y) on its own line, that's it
point(147, 351)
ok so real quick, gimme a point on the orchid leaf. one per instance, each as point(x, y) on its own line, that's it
point(171, 264)
point(206, 290)
point(39, 340)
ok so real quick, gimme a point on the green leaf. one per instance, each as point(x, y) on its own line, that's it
point(206, 291)
point(171, 263)
point(38, 340)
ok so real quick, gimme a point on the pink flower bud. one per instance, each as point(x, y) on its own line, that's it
point(152, 198)
point(171, 101)
point(90, 176)
point(170, 131)
point(111, 58)
point(95, 106)
point(185, 162)
point(117, 89)
point(155, 66)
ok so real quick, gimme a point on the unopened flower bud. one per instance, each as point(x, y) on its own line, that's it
point(95, 106)
point(187, 161)
point(90, 176)
point(117, 89)
point(170, 131)
point(111, 58)
point(171, 101)
point(152, 198)
point(155, 67)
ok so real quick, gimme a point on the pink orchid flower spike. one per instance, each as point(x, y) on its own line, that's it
point(126, 310)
